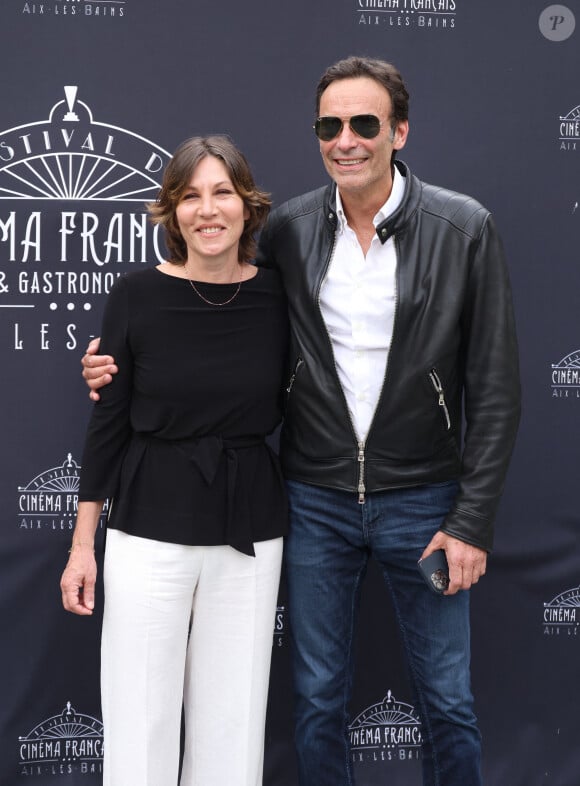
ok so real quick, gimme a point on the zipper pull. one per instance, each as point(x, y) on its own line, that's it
point(434, 377)
point(299, 362)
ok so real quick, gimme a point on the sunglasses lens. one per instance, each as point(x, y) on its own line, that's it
point(327, 127)
point(367, 126)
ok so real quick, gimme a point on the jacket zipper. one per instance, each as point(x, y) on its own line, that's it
point(361, 473)
point(361, 445)
point(436, 382)
point(361, 490)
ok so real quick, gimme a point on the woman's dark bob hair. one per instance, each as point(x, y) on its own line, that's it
point(176, 180)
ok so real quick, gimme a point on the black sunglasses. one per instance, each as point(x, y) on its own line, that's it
point(367, 126)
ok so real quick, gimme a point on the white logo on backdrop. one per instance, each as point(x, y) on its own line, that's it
point(566, 376)
point(64, 744)
point(569, 130)
point(74, 157)
point(387, 731)
point(562, 614)
point(86, 9)
point(279, 626)
point(393, 14)
point(49, 501)
point(72, 219)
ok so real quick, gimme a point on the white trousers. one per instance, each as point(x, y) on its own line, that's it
point(189, 625)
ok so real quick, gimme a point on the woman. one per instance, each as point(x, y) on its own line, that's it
point(194, 536)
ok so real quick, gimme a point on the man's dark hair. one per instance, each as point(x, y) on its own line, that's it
point(384, 73)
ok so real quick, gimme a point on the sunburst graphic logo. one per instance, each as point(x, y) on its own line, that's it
point(73, 192)
point(562, 614)
point(566, 376)
point(61, 478)
point(71, 156)
point(50, 499)
point(569, 129)
point(387, 730)
point(71, 739)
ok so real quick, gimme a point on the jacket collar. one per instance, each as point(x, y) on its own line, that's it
point(398, 220)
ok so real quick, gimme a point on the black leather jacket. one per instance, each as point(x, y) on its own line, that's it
point(453, 347)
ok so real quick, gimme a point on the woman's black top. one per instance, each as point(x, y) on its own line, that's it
point(178, 437)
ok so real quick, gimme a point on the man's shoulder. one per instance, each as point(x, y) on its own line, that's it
point(460, 210)
point(299, 206)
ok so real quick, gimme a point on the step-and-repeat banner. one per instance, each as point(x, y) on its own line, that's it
point(94, 96)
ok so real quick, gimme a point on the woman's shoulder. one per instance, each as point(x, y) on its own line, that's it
point(138, 279)
point(270, 278)
point(132, 286)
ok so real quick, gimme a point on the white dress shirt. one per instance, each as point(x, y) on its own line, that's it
point(357, 300)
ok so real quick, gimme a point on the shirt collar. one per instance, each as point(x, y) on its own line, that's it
point(392, 203)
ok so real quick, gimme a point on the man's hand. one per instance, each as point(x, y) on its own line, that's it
point(77, 583)
point(97, 369)
point(466, 563)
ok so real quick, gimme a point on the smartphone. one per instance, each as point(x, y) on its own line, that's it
point(435, 571)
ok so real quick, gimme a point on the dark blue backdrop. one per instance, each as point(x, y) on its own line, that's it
point(495, 112)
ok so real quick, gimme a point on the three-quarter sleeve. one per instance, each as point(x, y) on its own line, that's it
point(109, 428)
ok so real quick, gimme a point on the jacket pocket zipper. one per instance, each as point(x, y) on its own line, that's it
point(436, 382)
point(299, 362)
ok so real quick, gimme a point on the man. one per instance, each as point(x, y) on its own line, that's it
point(401, 320)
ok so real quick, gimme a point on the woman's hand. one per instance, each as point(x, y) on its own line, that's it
point(77, 583)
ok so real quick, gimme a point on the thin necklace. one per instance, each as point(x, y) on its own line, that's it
point(211, 302)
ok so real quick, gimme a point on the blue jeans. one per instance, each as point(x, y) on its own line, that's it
point(331, 539)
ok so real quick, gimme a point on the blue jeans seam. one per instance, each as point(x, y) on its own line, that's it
point(350, 667)
point(425, 721)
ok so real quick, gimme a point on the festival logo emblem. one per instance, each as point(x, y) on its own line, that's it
point(400, 14)
point(562, 614)
point(72, 219)
point(387, 731)
point(566, 376)
point(49, 501)
point(569, 130)
point(71, 156)
point(65, 744)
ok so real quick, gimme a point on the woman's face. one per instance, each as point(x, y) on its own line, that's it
point(211, 213)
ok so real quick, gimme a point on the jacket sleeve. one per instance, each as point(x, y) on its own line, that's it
point(491, 391)
point(109, 427)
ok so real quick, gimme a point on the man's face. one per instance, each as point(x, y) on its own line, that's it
point(361, 167)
